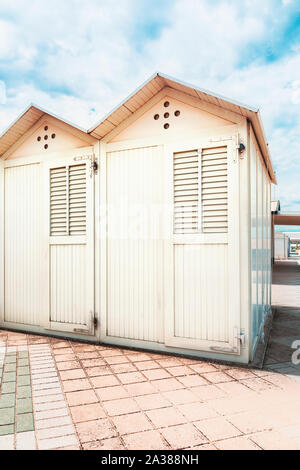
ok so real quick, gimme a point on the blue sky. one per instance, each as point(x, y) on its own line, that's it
point(79, 58)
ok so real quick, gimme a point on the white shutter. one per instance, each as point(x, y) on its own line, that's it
point(68, 200)
point(77, 199)
point(58, 201)
point(186, 191)
point(214, 190)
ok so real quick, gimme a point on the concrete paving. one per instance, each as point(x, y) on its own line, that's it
point(58, 394)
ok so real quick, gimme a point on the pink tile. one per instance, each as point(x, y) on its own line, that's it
point(143, 388)
point(182, 436)
point(237, 443)
point(104, 381)
point(166, 385)
point(164, 417)
point(90, 412)
point(114, 443)
point(76, 385)
point(180, 371)
point(93, 362)
point(120, 407)
point(193, 381)
point(81, 398)
point(147, 365)
point(156, 374)
point(217, 377)
point(122, 368)
point(95, 430)
point(153, 401)
point(181, 396)
point(98, 371)
point(68, 365)
point(217, 429)
point(130, 423)
point(131, 377)
point(72, 374)
point(112, 393)
point(197, 411)
point(116, 359)
point(148, 440)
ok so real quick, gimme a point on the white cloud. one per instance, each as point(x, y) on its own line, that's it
point(76, 56)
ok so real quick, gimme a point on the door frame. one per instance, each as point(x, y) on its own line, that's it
point(233, 243)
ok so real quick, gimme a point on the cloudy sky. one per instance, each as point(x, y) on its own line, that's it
point(79, 58)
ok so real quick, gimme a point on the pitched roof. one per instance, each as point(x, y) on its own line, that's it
point(155, 84)
point(28, 118)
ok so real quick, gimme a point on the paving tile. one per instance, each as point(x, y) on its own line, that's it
point(72, 374)
point(180, 371)
point(137, 389)
point(104, 381)
point(87, 412)
point(98, 371)
point(164, 417)
point(183, 435)
point(9, 377)
point(6, 429)
point(23, 371)
point(51, 413)
point(147, 365)
point(95, 430)
point(179, 397)
point(54, 405)
point(155, 374)
point(122, 368)
point(237, 443)
point(217, 429)
point(120, 407)
point(93, 362)
point(7, 416)
point(192, 381)
point(114, 443)
point(81, 398)
point(46, 386)
point(53, 422)
point(76, 385)
point(68, 365)
point(23, 391)
point(57, 442)
point(111, 360)
point(203, 367)
point(131, 423)
point(7, 442)
point(275, 440)
point(7, 400)
point(197, 411)
point(112, 393)
point(24, 380)
point(209, 392)
point(25, 441)
point(167, 385)
point(11, 367)
point(25, 422)
point(131, 377)
point(147, 440)
point(8, 387)
point(24, 405)
point(217, 377)
point(48, 398)
point(151, 402)
point(55, 432)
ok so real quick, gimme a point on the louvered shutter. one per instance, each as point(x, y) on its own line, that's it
point(200, 191)
point(186, 192)
point(68, 200)
point(214, 190)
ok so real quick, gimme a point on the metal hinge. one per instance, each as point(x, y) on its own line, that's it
point(95, 321)
point(242, 338)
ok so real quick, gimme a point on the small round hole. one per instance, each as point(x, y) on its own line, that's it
point(156, 116)
point(45, 146)
point(45, 128)
point(45, 137)
point(39, 138)
point(53, 136)
point(177, 113)
point(166, 126)
point(166, 104)
point(166, 115)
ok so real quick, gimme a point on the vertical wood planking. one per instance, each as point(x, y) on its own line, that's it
point(135, 243)
point(22, 245)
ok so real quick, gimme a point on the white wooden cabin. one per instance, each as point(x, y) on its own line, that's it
point(151, 230)
point(282, 245)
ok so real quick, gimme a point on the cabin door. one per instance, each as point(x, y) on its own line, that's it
point(202, 261)
point(69, 199)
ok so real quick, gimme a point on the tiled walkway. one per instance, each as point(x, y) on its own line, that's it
point(61, 394)
point(286, 323)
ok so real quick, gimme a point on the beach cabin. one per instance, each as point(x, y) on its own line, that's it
point(151, 230)
point(282, 245)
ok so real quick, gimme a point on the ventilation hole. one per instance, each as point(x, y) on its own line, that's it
point(177, 113)
point(39, 138)
point(166, 104)
point(45, 128)
point(166, 115)
point(45, 146)
point(156, 116)
point(53, 136)
point(45, 137)
point(166, 126)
